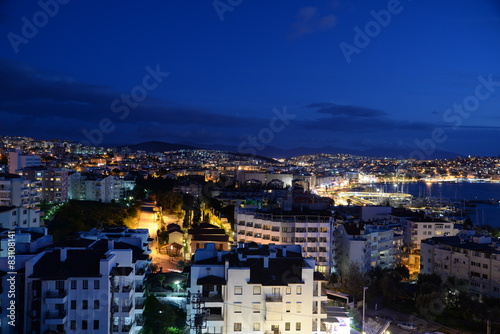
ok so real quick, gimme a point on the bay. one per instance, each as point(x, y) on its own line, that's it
point(482, 214)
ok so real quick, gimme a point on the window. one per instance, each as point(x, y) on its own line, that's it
point(256, 326)
point(97, 284)
point(287, 326)
point(84, 324)
point(73, 304)
point(238, 290)
point(299, 307)
point(288, 290)
point(85, 284)
point(60, 285)
point(299, 290)
point(85, 304)
point(96, 324)
point(73, 285)
point(256, 290)
point(96, 304)
point(298, 326)
point(237, 307)
point(256, 307)
point(288, 307)
point(72, 325)
point(237, 327)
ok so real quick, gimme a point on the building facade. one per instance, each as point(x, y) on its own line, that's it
point(473, 258)
point(309, 229)
point(256, 288)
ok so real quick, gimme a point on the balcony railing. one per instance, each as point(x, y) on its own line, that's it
point(126, 308)
point(55, 315)
point(56, 294)
point(274, 298)
point(212, 298)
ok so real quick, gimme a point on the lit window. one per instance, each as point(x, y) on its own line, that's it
point(238, 290)
point(256, 290)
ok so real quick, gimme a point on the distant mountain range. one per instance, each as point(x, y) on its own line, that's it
point(274, 152)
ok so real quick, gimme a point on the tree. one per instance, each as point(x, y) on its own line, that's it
point(162, 318)
point(353, 281)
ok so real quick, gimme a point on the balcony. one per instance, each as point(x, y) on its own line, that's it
point(126, 308)
point(56, 296)
point(126, 328)
point(274, 298)
point(126, 288)
point(213, 298)
point(55, 317)
point(139, 306)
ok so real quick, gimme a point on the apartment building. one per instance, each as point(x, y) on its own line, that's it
point(17, 161)
point(99, 188)
point(17, 191)
point(12, 217)
point(366, 245)
point(54, 182)
point(312, 230)
point(256, 289)
point(83, 290)
point(474, 258)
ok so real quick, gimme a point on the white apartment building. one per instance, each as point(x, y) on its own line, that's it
point(16, 191)
point(81, 290)
point(12, 217)
point(474, 258)
point(256, 289)
point(365, 245)
point(310, 229)
point(101, 188)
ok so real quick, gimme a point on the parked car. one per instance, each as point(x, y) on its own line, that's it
point(408, 326)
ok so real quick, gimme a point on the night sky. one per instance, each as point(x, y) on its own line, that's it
point(411, 75)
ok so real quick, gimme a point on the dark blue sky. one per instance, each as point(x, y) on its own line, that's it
point(229, 67)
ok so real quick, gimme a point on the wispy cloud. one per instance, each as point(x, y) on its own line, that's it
point(310, 20)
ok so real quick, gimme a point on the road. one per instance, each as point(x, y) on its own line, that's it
point(148, 219)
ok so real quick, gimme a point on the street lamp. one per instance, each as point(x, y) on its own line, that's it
point(364, 306)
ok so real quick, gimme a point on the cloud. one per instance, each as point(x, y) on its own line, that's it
point(345, 110)
point(40, 100)
point(357, 120)
point(309, 21)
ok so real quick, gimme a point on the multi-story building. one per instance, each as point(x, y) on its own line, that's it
point(256, 288)
point(473, 258)
point(18, 161)
point(54, 182)
point(12, 217)
point(418, 227)
point(17, 191)
point(75, 290)
point(365, 245)
point(99, 188)
point(311, 230)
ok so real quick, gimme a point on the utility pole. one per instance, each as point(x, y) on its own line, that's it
point(364, 306)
